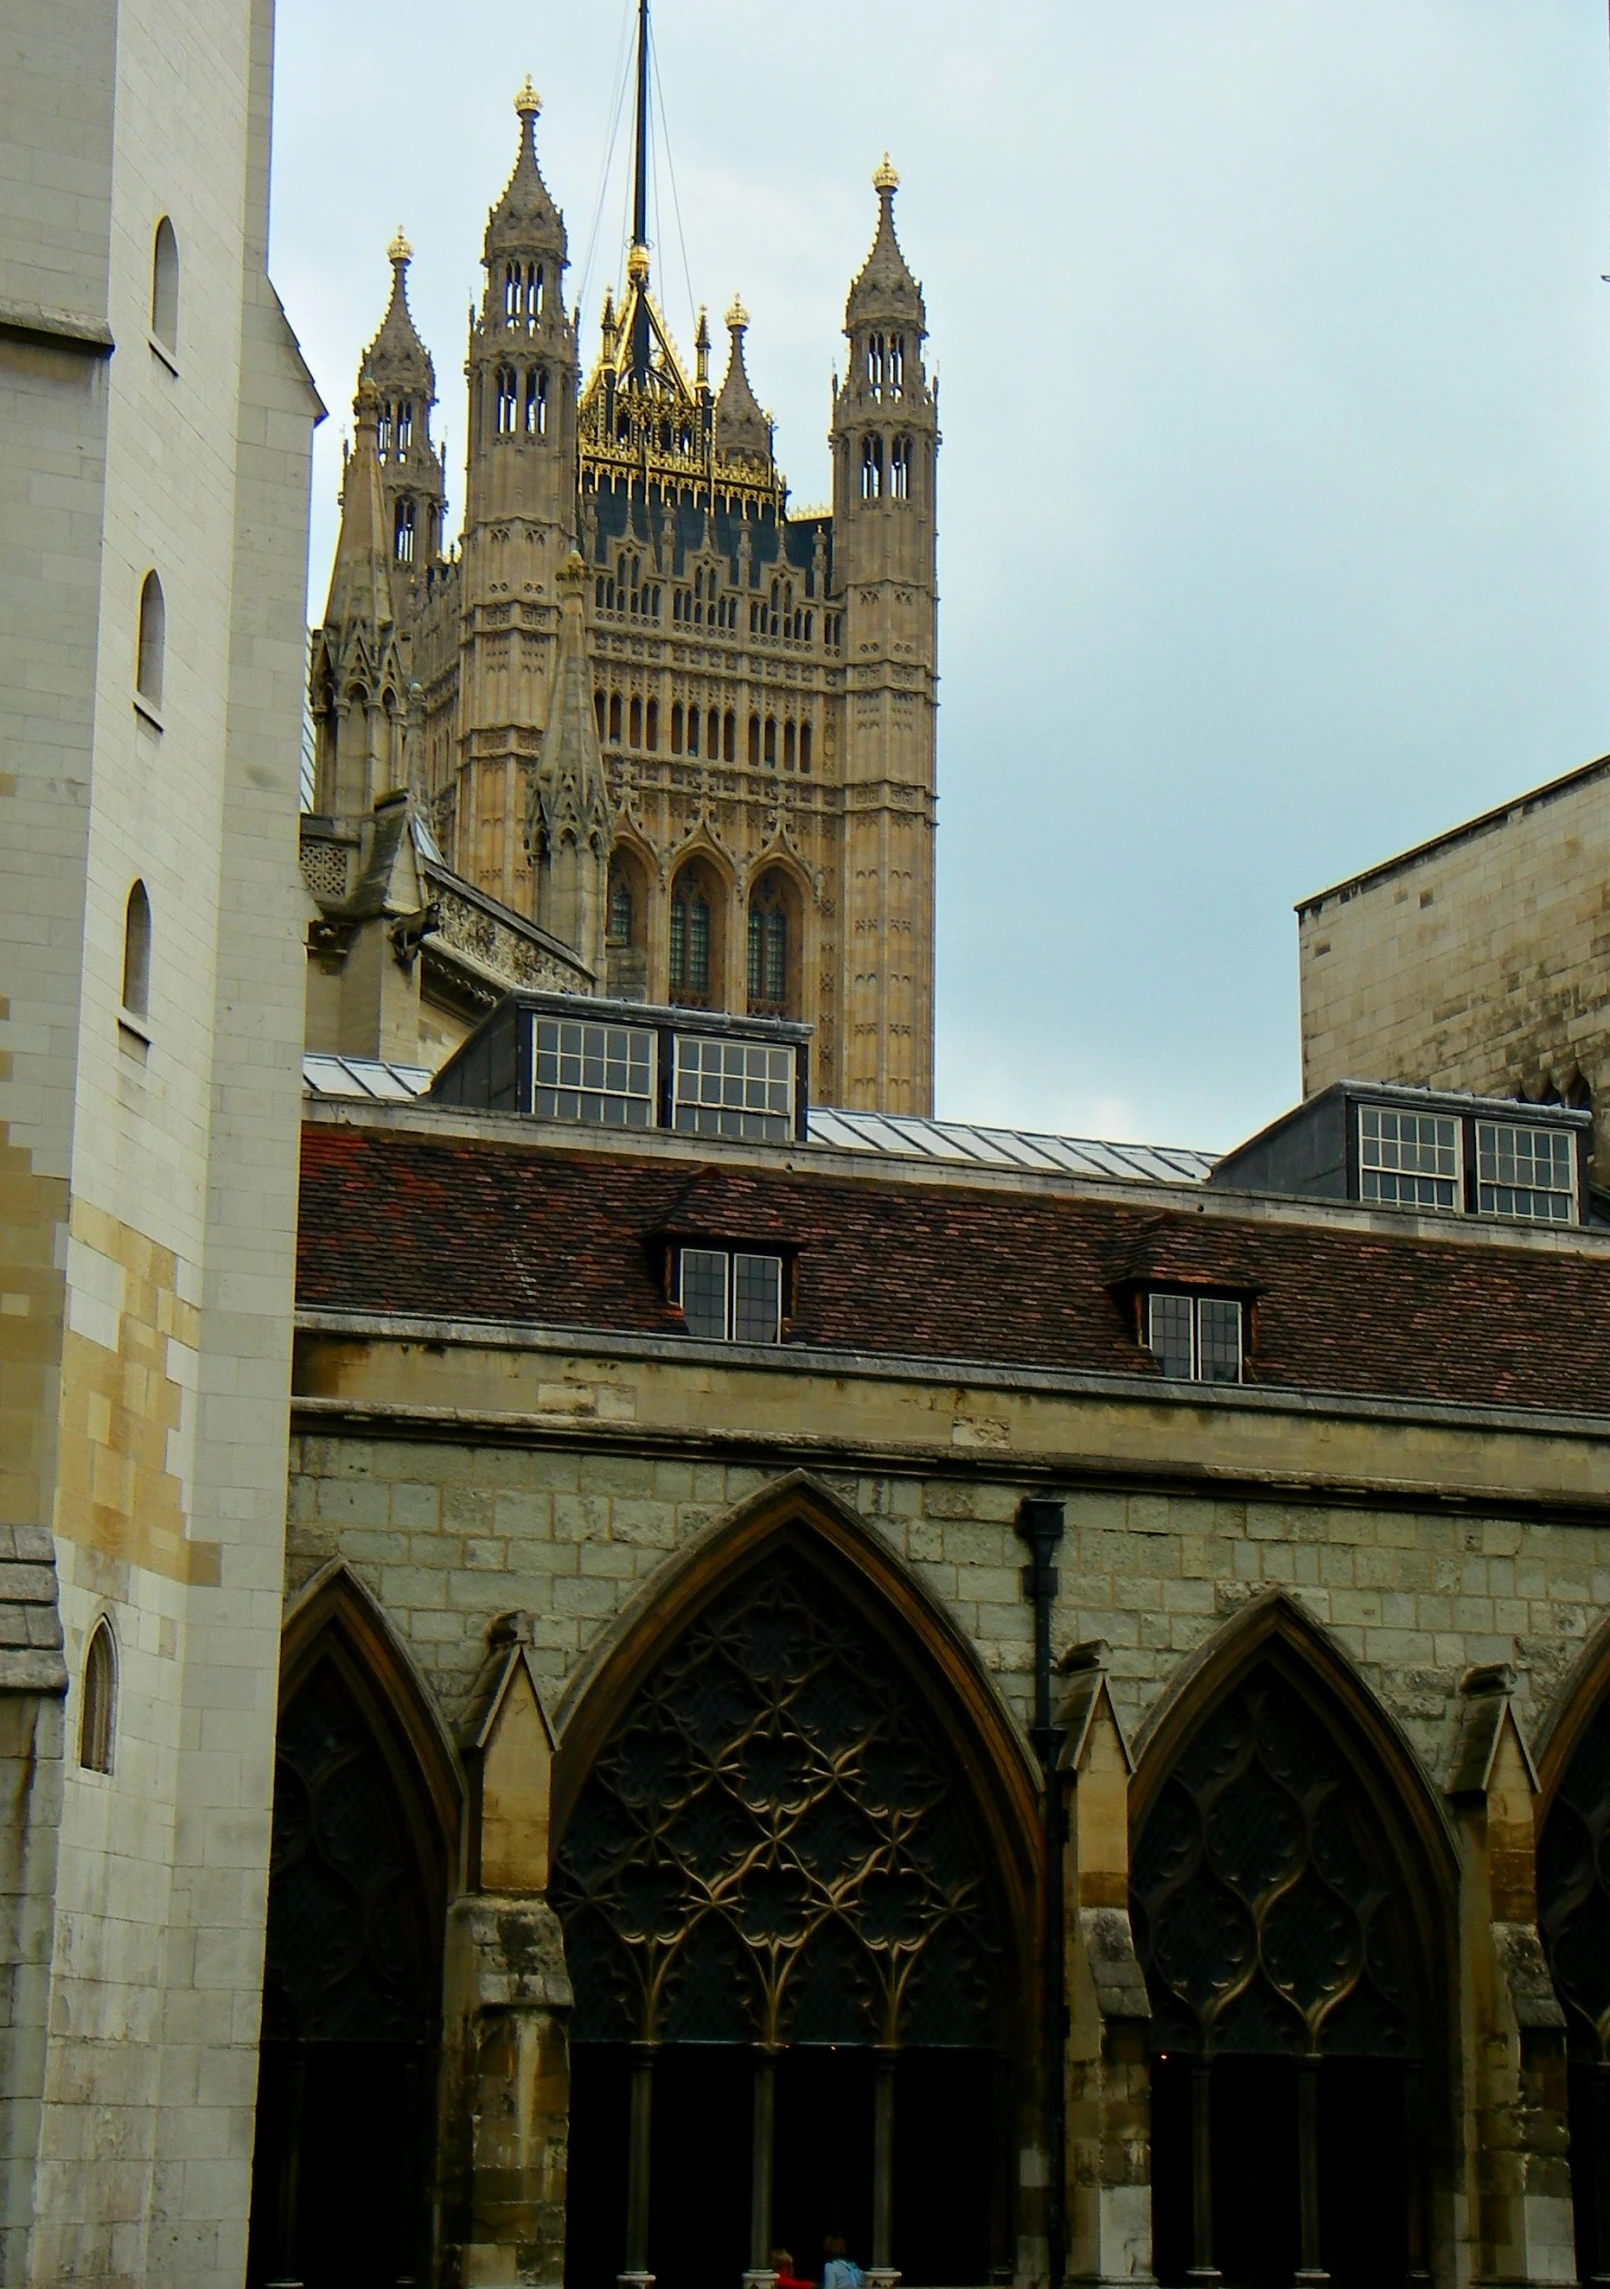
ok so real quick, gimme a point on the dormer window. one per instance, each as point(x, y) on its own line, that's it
point(1197, 1338)
point(731, 1296)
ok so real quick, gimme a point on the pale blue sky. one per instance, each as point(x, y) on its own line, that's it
point(1275, 498)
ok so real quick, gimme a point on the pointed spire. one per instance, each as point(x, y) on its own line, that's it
point(742, 431)
point(397, 359)
point(525, 220)
point(885, 289)
point(360, 579)
point(570, 824)
point(701, 350)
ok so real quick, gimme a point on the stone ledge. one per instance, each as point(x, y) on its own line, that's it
point(59, 329)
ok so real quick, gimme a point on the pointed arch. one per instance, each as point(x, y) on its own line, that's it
point(1574, 1704)
point(1277, 1628)
point(337, 1619)
point(798, 1514)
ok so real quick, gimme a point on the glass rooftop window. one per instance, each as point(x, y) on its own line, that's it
point(600, 1075)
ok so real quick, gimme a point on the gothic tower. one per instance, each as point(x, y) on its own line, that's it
point(357, 684)
point(519, 520)
point(762, 679)
point(885, 440)
point(415, 473)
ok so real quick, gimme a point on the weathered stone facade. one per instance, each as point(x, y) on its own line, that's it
point(1430, 1579)
point(1476, 961)
point(764, 682)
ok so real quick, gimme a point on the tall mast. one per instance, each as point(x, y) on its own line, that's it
point(640, 180)
point(639, 265)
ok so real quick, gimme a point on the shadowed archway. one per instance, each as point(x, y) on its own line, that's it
point(796, 1862)
point(1292, 1888)
point(367, 1818)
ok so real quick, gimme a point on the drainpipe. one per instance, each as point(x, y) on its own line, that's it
point(1039, 1522)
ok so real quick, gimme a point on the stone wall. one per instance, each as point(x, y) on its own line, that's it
point(1475, 962)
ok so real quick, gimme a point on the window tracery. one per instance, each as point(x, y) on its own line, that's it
point(771, 1847)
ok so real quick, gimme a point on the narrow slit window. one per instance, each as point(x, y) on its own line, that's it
point(97, 1718)
point(165, 287)
point(137, 952)
point(150, 657)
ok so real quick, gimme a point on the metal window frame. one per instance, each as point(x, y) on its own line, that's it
point(729, 1259)
point(1566, 1192)
point(1194, 1301)
point(649, 1097)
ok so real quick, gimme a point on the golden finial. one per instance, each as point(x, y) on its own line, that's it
point(637, 265)
point(737, 316)
point(884, 178)
point(399, 249)
point(528, 103)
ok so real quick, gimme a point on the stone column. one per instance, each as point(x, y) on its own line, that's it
point(1513, 2029)
point(1108, 2162)
point(505, 2066)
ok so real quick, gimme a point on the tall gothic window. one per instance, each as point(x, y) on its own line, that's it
point(900, 469)
point(1273, 1925)
point(768, 945)
point(872, 468)
point(402, 536)
point(536, 402)
point(508, 401)
point(773, 1886)
point(691, 936)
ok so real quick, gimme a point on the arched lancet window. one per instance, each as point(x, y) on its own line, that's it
point(1281, 1926)
point(137, 952)
point(508, 400)
point(635, 736)
point(622, 911)
point(402, 537)
point(383, 430)
point(693, 936)
point(874, 361)
point(828, 1921)
point(804, 746)
point(536, 402)
point(872, 468)
point(651, 726)
point(512, 293)
point(358, 1884)
point(676, 727)
point(771, 739)
point(405, 428)
point(712, 736)
point(97, 1716)
point(754, 739)
point(788, 744)
point(729, 738)
point(769, 979)
point(598, 710)
point(900, 469)
point(151, 643)
point(693, 731)
point(165, 287)
point(615, 718)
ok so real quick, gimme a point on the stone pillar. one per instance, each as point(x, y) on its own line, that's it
point(1514, 2129)
point(505, 2065)
point(1108, 2162)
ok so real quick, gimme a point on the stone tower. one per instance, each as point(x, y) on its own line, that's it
point(885, 440)
point(357, 683)
point(519, 526)
point(415, 473)
point(762, 679)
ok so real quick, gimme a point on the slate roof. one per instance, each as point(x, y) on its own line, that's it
point(1033, 1275)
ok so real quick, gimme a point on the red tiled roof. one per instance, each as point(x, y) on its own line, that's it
point(460, 1228)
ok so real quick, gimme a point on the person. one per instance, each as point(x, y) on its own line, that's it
point(840, 2271)
point(782, 2264)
